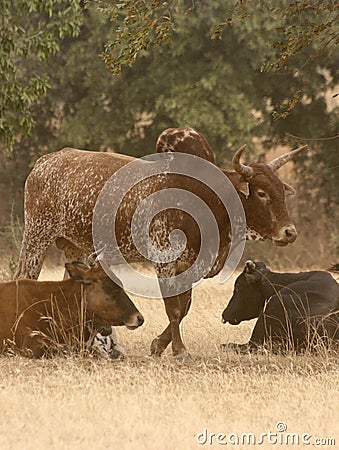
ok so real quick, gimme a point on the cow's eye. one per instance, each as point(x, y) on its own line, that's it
point(262, 194)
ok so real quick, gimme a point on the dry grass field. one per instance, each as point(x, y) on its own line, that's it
point(152, 403)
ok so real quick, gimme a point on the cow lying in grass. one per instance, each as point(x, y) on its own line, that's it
point(294, 310)
point(38, 317)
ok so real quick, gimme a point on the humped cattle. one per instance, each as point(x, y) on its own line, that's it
point(62, 189)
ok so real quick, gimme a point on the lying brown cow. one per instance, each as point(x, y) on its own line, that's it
point(37, 314)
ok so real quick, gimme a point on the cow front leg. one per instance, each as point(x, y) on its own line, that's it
point(177, 308)
point(257, 339)
point(238, 348)
point(106, 346)
point(160, 343)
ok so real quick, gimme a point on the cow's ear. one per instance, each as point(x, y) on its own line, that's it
point(78, 271)
point(243, 187)
point(251, 274)
point(289, 189)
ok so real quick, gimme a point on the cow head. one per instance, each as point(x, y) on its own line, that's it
point(248, 297)
point(107, 304)
point(263, 197)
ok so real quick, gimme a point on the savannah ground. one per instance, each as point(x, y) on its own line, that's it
point(164, 403)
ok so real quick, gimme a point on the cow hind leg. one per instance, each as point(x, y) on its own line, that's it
point(71, 252)
point(32, 254)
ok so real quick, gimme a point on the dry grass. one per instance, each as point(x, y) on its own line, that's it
point(150, 403)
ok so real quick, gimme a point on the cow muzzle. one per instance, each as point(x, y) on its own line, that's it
point(232, 321)
point(136, 321)
point(287, 235)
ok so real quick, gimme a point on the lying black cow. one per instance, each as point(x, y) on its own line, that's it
point(294, 310)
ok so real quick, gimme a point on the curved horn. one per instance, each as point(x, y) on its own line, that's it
point(93, 257)
point(283, 159)
point(241, 168)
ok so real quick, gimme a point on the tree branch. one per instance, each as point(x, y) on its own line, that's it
point(312, 139)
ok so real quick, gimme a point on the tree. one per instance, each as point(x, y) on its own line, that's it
point(274, 60)
point(140, 24)
point(30, 33)
point(305, 31)
point(214, 85)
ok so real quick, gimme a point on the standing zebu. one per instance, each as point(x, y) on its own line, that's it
point(62, 189)
point(294, 310)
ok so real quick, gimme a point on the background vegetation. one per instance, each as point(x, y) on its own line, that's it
point(111, 76)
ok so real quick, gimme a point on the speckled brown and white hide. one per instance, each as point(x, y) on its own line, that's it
point(185, 140)
point(60, 194)
point(63, 187)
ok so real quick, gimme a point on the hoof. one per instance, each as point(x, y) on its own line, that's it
point(230, 345)
point(183, 356)
point(156, 348)
point(116, 353)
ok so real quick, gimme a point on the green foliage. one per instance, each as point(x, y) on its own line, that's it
point(214, 85)
point(310, 28)
point(140, 24)
point(307, 27)
point(306, 35)
point(305, 31)
point(190, 80)
point(30, 33)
